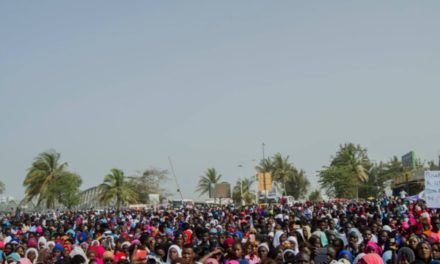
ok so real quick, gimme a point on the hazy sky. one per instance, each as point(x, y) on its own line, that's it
point(127, 84)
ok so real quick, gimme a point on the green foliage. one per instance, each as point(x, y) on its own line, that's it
point(66, 189)
point(207, 182)
point(294, 182)
point(117, 187)
point(244, 185)
point(266, 165)
point(315, 196)
point(148, 182)
point(297, 184)
point(348, 169)
point(2, 187)
point(43, 178)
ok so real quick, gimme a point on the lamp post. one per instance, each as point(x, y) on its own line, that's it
point(241, 184)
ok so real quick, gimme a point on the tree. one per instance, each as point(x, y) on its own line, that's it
point(297, 184)
point(315, 196)
point(148, 182)
point(266, 165)
point(117, 187)
point(294, 182)
point(2, 187)
point(243, 186)
point(282, 169)
point(207, 181)
point(348, 169)
point(66, 188)
point(43, 175)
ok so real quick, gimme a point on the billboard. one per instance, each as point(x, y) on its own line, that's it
point(432, 189)
point(264, 181)
point(409, 160)
point(222, 190)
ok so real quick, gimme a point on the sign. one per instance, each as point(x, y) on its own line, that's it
point(264, 181)
point(222, 190)
point(409, 160)
point(432, 189)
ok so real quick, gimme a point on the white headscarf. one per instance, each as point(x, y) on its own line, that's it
point(42, 240)
point(33, 250)
point(179, 252)
point(295, 241)
point(276, 238)
point(77, 250)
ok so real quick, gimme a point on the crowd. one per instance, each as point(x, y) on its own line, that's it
point(389, 230)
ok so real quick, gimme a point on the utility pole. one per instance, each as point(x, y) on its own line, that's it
point(241, 184)
point(264, 178)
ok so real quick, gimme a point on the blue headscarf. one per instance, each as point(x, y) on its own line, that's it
point(347, 253)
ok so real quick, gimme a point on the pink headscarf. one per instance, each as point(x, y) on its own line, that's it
point(24, 261)
point(372, 258)
point(374, 246)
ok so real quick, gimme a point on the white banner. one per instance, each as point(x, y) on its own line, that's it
point(432, 189)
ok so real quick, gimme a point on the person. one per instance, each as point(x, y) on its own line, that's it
point(303, 258)
point(423, 252)
point(173, 253)
point(188, 255)
point(405, 255)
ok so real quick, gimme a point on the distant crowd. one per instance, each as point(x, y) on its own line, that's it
point(389, 230)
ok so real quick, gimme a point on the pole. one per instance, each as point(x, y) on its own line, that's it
point(241, 184)
point(264, 178)
point(175, 179)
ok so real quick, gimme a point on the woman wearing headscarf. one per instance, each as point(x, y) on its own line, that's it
point(263, 251)
point(32, 255)
point(277, 240)
point(345, 254)
point(293, 244)
point(288, 256)
point(371, 258)
point(173, 253)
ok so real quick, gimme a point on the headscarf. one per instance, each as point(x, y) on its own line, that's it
point(374, 246)
point(407, 253)
point(276, 238)
point(42, 240)
point(309, 232)
point(24, 261)
point(287, 251)
point(179, 252)
point(295, 241)
point(387, 255)
point(372, 258)
point(211, 261)
point(32, 250)
point(78, 251)
point(58, 247)
point(358, 257)
point(265, 245)
point(347, 253)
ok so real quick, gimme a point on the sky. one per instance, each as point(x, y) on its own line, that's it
point(116, 84)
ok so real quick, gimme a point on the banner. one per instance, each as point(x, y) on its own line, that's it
point(264, 181)
point(432, 189)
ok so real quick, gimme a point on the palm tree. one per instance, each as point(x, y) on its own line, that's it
point(115, 186)
point(283, 170)
point(207, 180)
point(266, 165)
point(2, 187)
point(243, 192)
point(356, 158)
point(45, 169)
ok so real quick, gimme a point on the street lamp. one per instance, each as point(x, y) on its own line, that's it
point(241, 184)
